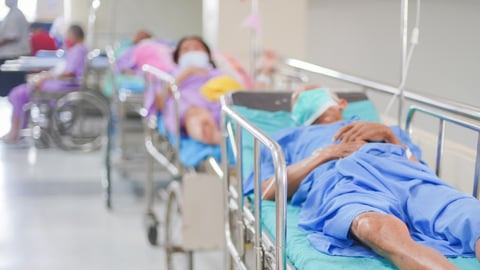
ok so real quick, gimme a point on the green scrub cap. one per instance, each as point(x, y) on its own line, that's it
point(311, 105)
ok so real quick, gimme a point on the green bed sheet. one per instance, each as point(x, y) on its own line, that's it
point(303, 256)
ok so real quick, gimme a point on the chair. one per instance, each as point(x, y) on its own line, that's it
point(72, 120)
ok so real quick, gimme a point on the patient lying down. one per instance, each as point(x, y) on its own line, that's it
point(364, 190)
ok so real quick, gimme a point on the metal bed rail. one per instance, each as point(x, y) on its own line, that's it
point(443, 119)
point(444, 105)
point(152, 76)
point(260, 138)
point(171, 163)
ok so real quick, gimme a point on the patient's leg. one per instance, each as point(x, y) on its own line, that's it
point(201, 126)
point(388, 236)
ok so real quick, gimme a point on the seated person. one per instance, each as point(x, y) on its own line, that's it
point(201, 84)
point(124, 63)
point(40, 39)
point(65, 77)
point(127, 73)
point(128, 67)
point(364, 191)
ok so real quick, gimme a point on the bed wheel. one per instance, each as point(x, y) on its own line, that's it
point(152, 228)
point(177, 257)
point(152, 235)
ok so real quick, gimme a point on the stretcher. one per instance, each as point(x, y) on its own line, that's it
point(269, 229)
point(126, 96)
point(195, 171)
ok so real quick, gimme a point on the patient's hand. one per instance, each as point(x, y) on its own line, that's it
point(366, 131)
point(39, 83)
point(341, 150)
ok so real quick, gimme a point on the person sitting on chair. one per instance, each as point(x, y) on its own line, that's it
point(65, 76)
point(364, 191)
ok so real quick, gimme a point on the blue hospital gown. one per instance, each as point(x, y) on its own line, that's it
point(380, 178)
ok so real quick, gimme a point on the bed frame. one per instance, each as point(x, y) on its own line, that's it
point(184, 194)
point(243, 225)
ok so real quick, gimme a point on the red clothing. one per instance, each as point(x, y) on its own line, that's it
point(40, 40)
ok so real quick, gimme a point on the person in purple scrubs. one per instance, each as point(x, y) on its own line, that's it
point(199, 116)
point(65, 77)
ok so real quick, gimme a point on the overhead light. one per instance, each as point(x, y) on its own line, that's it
point(96, 4)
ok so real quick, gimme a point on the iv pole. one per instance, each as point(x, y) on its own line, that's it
point(92, 17)
point(255, 41)
point(404, 44)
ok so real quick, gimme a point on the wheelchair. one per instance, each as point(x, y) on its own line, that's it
point(71, 120)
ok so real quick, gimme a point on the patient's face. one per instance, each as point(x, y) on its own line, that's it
point(190, 45)
point(332, 115)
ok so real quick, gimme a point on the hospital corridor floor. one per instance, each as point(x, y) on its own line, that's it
point(53, 215)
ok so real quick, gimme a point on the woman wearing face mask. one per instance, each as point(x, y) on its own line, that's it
point(200, 85)
point(64, 77)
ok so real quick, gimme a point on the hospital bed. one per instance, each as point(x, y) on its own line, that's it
point(269, 229)
point(126, 96)
point(72, 119)
point(195, 171)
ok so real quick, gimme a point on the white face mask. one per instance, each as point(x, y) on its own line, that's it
point(194, 59)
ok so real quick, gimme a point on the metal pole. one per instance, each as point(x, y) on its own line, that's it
point(476, 180)
point(440, 146)
point(255, 42)
point(92, 17)
point(404, 44)
point(240, 200)
point(258, 207)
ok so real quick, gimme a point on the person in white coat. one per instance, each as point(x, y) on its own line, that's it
point(14, 42)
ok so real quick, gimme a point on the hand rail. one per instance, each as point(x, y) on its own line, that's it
point(170, 80)
point(450, 106)
point(441, 138)
point(280, 182)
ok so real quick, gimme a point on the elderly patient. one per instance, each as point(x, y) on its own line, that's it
point(364, 191)
point(64, 77)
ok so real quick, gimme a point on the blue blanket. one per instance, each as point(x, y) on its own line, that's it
point(302, 255)
point(192, 152)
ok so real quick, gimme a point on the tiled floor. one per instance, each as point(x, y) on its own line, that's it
point(52, 214)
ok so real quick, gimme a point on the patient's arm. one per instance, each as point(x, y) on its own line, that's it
point(298, 171)
point(369, 132)
point(189, 72)
point(44, 76)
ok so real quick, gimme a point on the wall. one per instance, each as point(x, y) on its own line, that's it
point(363, 38)
point(49, 10)
point(283, 27)
point(117, 19)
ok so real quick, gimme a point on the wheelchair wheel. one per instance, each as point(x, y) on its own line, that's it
point(79, 120)
point(40, 136)
point(177, 257)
